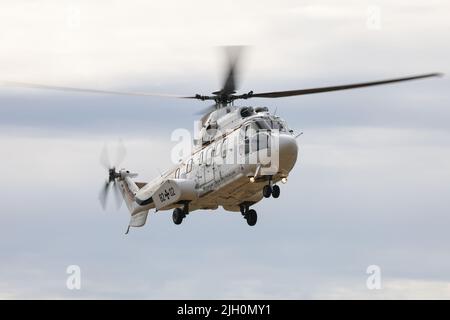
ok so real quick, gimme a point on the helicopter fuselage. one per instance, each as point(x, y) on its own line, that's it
point(241, 150)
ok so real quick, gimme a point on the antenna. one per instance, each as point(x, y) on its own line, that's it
point(298, 135)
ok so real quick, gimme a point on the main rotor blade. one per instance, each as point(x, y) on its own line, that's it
point(280, 94)
point(230, 82)
point(206, 110)
point(72, 89)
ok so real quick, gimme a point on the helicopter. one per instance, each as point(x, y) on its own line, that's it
point(240, 157)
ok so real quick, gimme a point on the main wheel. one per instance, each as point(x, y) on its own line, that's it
point(177, 215)
point(267, 191)
point(251, 217)
point(275, 191)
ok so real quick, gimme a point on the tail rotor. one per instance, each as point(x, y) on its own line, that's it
point(113, 175)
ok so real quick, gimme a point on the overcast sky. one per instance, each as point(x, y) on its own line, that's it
point(371, 186)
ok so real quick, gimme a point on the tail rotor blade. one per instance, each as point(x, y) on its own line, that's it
point(103, 196)
point(113, 175)
point(117, 195)
point(121, 153)
point(104, 158)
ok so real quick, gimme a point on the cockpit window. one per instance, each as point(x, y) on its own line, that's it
point(278, 125)
point(256, 135)
point(262, 125)
point(256, 126)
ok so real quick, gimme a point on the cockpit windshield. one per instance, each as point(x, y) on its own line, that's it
point(257, 125)
point(278, 124)
point(261, 124)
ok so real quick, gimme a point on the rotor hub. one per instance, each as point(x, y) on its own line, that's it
point(112, 174)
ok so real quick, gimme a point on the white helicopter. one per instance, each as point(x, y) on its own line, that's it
point(242, 154)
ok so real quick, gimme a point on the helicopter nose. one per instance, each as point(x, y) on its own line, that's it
point(288, 150)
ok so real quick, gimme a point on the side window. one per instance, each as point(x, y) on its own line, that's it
point(223, 151)
point(217, 149)
point(177, 173)
point(209, 154)
point(200, 158)
point(189, 166)
point(247, 139)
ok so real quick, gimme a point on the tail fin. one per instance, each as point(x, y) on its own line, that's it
point(128, 188)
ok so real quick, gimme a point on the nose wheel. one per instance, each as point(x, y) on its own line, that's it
point(275, 191)
point(267, 191)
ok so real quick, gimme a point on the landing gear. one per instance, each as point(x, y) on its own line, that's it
point(178, 215)
point(275, 191)
point(251, 217)
point(249, 214)
point(267, 191)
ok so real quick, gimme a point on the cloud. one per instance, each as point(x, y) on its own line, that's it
point(395, 289)
point(384, 204)
point(106, 44)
